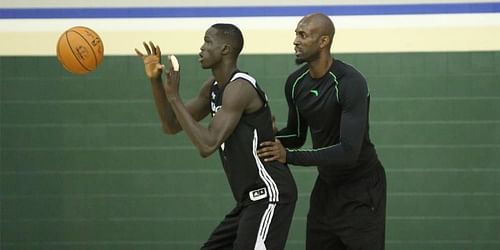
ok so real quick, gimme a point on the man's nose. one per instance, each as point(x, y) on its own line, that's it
point(296, 41)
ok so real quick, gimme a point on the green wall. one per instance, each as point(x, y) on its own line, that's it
point(84, 164)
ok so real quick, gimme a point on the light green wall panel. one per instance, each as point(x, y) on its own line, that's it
point(84, 163)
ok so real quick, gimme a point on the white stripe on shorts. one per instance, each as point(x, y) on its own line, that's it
point(265, 223)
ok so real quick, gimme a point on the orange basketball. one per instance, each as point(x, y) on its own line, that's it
point(80, 50)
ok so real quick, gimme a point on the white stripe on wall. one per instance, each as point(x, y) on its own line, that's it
point(264, 35)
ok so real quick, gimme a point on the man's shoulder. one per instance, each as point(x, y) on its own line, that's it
point(343, 68)
point(350, 81)
point(244, 76)
point(345, 71)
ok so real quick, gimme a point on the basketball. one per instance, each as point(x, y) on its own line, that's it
point(80, 50)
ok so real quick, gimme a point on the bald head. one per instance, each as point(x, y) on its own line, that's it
point(313, 38)
point(321, 24)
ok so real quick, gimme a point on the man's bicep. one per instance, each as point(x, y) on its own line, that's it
point(354, 116)
point(223, 124)
point(234, 102)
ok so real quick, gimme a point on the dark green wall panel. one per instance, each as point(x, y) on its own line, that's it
point(85, 165)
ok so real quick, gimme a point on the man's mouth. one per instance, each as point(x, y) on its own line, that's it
point(297, 51)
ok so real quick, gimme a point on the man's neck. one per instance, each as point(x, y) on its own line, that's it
point(320, 67)
point(223, 74)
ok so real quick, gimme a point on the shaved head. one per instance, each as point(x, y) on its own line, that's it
point(313, 38)
point(321, 24)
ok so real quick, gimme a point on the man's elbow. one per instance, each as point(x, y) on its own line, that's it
point(204, 154)
point(169, 131)
point(351, 156)
point(292, 143)
point(350, 161)
point(206, 151)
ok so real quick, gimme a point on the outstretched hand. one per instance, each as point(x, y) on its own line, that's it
point(152, 60)
point(271, 151)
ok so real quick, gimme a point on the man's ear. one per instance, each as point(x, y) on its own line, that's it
point(324, 41)
point(226, 49)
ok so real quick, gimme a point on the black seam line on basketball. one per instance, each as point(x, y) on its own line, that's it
point(71, 49)
point(59, 53)
point(58, 50)
point(63, 36)
point(90, 45)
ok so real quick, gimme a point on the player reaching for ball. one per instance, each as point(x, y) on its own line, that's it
point(265, 192)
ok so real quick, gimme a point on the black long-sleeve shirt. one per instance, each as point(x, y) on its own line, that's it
point(335, 108)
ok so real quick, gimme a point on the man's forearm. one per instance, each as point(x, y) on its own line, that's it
point(164, 109)
point(198, 135)
point(290, 138)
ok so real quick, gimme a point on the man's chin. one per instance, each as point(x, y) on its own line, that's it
point(299, 61)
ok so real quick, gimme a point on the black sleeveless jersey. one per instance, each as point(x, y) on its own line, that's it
point(250, 178)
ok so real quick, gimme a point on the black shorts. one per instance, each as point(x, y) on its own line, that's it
point(260, 225)
point(350, 216)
